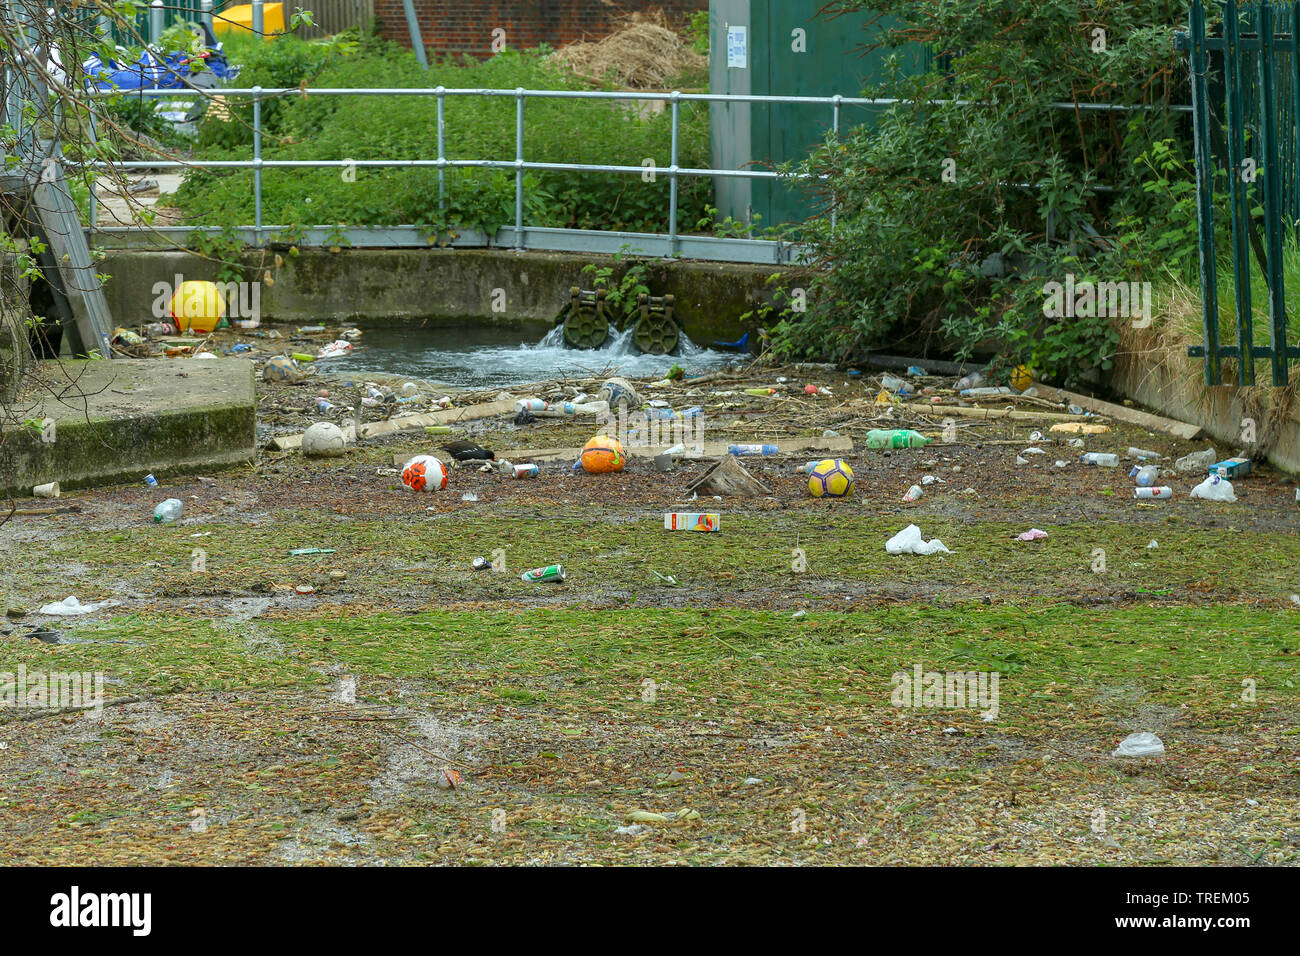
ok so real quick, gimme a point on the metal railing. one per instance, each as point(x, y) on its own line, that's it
point(1247, 137)
point(519, 236)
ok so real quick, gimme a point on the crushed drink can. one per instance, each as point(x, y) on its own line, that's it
point(1163, 491)
point(692, 521)
point(482, 564)
point(151, 481)
point(526, 471)
point(552, 572)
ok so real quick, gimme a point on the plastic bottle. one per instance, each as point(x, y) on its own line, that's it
point(897, 438)
point(753, 450)
point(913, 494)
point(1100, 458)
point(1162, 492)
point(1145, 476)
point(973, 380)
point(1141, 454)
point(169, 511)
point(530, 405)
point(991, 390)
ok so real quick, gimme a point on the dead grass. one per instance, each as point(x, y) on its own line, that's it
point(643, 54)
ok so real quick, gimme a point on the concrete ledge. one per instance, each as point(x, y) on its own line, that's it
point(450, 287)
point(1171, 383)
point(121, 419)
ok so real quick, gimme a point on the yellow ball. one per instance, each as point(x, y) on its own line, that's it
point(602, 455)
point(831, 478)
point(197, 305)
point(1022, 376)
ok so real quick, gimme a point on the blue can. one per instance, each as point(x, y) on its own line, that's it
point(150, 481)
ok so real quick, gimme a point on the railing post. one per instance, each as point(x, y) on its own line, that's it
point(519, 169)
point(442, 147)
point(94, 179)
point(1239, 203)
point(1294, 169)
point(205, 14)
point(259, 21)
point(835, 127)
point(257, 165)
point(672, 175)
point(155, 21)
point(1205, 180)
point(1272, 159)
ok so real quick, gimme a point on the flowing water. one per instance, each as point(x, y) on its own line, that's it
point(487, 357)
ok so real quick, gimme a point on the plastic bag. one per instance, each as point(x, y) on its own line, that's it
point(909, 541)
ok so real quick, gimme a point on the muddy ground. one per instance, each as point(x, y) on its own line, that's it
point(385, 703)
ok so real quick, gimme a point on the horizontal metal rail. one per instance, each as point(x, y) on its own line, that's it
point(520, 236)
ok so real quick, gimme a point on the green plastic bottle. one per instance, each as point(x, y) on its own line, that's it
point(897, 438)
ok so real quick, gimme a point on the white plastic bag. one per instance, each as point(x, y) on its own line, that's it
point(70, 605)
point(1215, 488)
point(909, 541)
point(1140, 745)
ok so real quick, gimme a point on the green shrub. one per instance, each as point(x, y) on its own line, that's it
point(370, 128)
point(933, 190)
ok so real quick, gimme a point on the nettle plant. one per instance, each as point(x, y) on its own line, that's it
point(621, 295)
point(951, 216)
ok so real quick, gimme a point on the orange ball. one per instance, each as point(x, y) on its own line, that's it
point(602, 455)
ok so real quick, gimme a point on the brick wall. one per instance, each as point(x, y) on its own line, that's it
point(465, 26)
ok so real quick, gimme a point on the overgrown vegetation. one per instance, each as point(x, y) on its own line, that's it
point(372, 128)
point(952, 216)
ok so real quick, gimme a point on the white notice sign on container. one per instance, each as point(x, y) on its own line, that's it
point(737, 47)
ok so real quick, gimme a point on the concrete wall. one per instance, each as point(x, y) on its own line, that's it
point(465, 26)
point(432, 287)
point(1171, 383)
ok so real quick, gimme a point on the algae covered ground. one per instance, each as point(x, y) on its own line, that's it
point(383, 702)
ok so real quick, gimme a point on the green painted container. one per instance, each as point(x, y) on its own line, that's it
point(783, 48)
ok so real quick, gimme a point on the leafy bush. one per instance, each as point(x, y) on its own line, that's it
point(943, 207)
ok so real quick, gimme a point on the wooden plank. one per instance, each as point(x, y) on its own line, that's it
point(1014, 414)
point(714, 449)
point(1123, 413)
point(449, 416)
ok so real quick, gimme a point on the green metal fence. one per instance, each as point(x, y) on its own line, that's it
point(1245, 73)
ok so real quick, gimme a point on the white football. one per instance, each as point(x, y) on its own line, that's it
point(323, 440)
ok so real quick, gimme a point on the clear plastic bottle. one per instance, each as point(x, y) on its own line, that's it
point(169, 511)
point(973, 380)
point(1100, 458)
point(1145, 476)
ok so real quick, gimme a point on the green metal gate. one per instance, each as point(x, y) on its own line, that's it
point(1245, 75)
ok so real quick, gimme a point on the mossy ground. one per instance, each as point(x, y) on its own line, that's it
point(256, 724)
